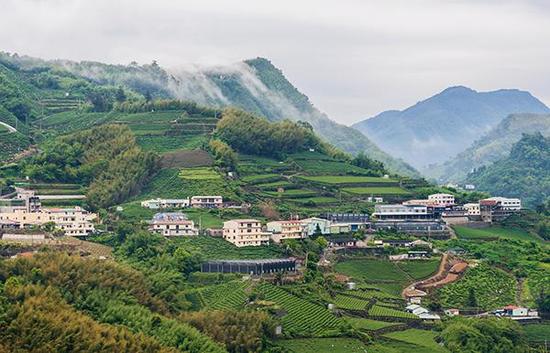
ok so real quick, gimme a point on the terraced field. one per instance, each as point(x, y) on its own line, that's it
point(421, 338)
point(493, 233)
point(349, 179)
point(349, 303)
point(225, 296)
point(321, 345)
point(376, 190)
point(302, 317)
point(383, 311)
point(360, 323)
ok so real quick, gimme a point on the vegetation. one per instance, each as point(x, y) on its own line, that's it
point(483, 335)
point(106, 157)
point(482, 287)
point(525, 173)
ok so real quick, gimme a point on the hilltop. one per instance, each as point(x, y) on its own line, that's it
point(525, 173)
point(254, 85)
point(494, 145)
point(442, 126)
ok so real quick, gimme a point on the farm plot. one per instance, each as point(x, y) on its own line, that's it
point(494, 233)
point(376, 190)
point(419, 269)
point(369, 324)
point(417, 337)
point(349, 303)
point(537, 333)
point(225, 296)
point(302, 317)
point(187, 159)
point(332, 167)
point(199, 174)
point(382, 311)
point(292, 193)
point(349, 179)
point(219, 249)
point(376, 294)
point(483, 286)
point(321, 345)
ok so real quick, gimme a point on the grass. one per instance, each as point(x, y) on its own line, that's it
point(421, 338)
point(492, 288)
point(161, 144)
point(382, 274)
point(218, 249)
point(317, 166)
point(419, 269)
point(349, 303)
point(347, 179)
point(291, 193)
point(302, 317)
point(537, 332)
point(368, 324)
point(495, 232)
point(322, 345)
point(261, 178)
point(376, 190)
point(316, 200)
point(199, 174)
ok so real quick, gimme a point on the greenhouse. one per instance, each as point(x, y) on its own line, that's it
point(253, 267)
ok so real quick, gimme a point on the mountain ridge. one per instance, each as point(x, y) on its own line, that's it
point(446, 122)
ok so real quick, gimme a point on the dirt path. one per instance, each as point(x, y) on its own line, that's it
point(9, 127)
point(450, 270)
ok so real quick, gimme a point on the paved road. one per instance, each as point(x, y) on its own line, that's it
point(9, 127)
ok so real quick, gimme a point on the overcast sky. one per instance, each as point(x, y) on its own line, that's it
point(353, 59)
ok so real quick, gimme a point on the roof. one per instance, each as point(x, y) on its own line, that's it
point(209, 197)
point(170, 217)
point(259, 261)
point(511, 307)
point(415, 293)
point(397, 241)
point(243, 220)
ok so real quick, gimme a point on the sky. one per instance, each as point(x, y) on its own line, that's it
point(353, 58)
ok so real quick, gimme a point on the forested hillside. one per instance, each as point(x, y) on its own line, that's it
point(525, 173)
point(106, 158)
point(254, 85)
point(495, 145)
point(444, 125)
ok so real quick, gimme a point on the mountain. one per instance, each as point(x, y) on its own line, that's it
point(442, 126)
point(525, 173)
point(494, 145)
point(254, 85)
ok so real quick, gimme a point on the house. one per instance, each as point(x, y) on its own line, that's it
point(206, 202)
point(165, 203)
point(398, 243)
point(469, 187)
point(340, 228)
point(414, 296)
point(245, 232)
point(418, 254)
point(316, 225)
point(375, 199)
point(402, 212)
point(214, 232)
point(341, 241)
point(512, 310)
point(283, 230)
point(472, 209)
point(452, 312)
point(498, 208)
point(421, 312)
point(445, 200)
point(74, 221)
point(418, 202)
point(415, 227)
point(173, 224)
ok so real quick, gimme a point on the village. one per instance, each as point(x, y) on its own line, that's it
point(422, 219)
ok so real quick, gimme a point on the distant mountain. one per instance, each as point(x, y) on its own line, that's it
point(495, 145)
point(254, 85)
point(444, 125)
point(525, 173)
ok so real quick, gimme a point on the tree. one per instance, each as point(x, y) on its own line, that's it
point(147, 96)
point(120, 95)
point(472, 300)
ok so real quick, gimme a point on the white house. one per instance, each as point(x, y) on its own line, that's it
point(442, 199)
point(292, 229)
point(173, 224)
point(314, 224)
point(207, 202)
point(245, 232)
point(511, 204)
point(165, 203)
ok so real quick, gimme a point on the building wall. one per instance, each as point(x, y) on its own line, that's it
point(245, 233)
point(73, 221)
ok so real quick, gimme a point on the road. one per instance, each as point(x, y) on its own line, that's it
point(9, 127)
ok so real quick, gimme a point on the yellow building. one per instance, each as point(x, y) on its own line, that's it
point(73, 221)
point(245, 232)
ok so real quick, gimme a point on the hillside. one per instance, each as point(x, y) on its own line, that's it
point(525, 173)
point(253, 85)
point(494, 145)
point(444, 125)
